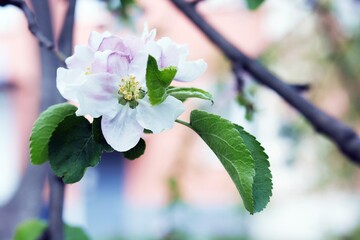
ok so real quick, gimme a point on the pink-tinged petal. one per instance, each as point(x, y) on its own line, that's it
point(98, 95)
point(133, 45)
point(171, 52)
point(114, 43)
point(118, 64)
point(109, 43)
point(96, 38)
point(81, 59)
point(190, 70)
point(100, 63)
point(68, 82)
point(160, 117)
point(122, 132)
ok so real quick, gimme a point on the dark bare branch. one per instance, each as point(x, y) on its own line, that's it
point(56, 225)
point(194, 3)
point(64, 45)
point(345, 137)
point(28, 199)
point(34, 27)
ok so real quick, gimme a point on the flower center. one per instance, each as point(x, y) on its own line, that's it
point(88, 71)
point(130, 91)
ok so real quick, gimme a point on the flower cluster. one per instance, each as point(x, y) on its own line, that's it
point(107, 78)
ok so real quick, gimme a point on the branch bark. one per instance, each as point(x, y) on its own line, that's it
point(342, 135)
point(27, 200)
point(34, 27)
point(56, 225)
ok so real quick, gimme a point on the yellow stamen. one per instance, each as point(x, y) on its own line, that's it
point(88, 71)
point(129, 88)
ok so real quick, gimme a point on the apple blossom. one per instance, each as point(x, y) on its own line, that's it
point(107, 79)
point(125, 84)
point(168, 53)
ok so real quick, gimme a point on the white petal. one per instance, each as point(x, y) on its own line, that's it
point(164, 42)
point(96, 38)
point(137, 67)
point(81, 59)
point(122, 132)
point(100, 63)
point(118, 64)
point(170, 52)
point(148, 36)
point(68, 82)
point(153, 49)
point(98, 95)
point(160, 117)
point(190, 70)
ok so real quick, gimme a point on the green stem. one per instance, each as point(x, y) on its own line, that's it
point(184, 123)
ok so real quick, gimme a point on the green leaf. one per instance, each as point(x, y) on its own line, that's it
point(183, 93)
point(158, 80)
point(136, 151)
point(244, 101)
point(30, 230)
point(34, 228)
point(72, 149)
point(225, 141)
point(254, 4)
point(147, 131)
point(262, 188)
point(98, 135)
point(75, 233)
point(43, 129)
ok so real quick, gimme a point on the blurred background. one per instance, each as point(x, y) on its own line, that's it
point(179, 189)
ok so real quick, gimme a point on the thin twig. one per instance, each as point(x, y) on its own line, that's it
point(34, 28)
point(194, 3)
point(345, 138)
point(64, 42)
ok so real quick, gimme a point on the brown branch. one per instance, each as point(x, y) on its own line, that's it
point(343, 136)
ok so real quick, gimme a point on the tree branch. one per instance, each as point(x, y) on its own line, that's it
point(65, 40)
point(34, 28)
point(55, 229)
point(27, 200)
point(56, 225)
point(4, 86)
point(342, 135)
point(194, 3)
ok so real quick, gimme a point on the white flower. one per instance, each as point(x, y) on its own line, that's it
point(167, 53)
point(107, 78)
point(84, 61)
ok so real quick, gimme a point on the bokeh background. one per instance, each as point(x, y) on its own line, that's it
point(179, 189)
